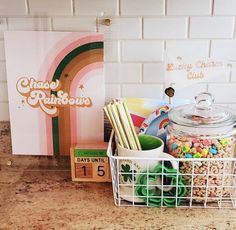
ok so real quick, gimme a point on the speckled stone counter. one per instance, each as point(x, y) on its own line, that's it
point(37, 193)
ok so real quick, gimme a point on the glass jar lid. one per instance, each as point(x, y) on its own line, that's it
point(202, 114)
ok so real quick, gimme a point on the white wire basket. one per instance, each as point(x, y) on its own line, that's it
point(194, 183)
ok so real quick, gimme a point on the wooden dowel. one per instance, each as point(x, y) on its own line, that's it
point(121, 121)
point(114, 126)
point(132, 126)
point(117, 120)
point(126, 125)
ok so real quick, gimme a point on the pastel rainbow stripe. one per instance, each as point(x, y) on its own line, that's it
point(72, 64)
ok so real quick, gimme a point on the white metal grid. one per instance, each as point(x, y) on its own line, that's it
point(207, 182)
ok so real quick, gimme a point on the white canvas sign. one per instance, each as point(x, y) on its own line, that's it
point(56, 90)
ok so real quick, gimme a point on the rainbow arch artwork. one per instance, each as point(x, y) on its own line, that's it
point(56, 90)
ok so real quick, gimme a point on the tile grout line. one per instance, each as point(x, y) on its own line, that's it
point(230, 76)
point(165, 7)
point(164, 49)
point(27, 7)
point(73, 7)
point(163, 91)
point(164, 52)
point(142, 75)
point(210, 46)
point(234, 29)
point(119, 7)
point(120, 89)
point(220, 83)
point(142, 28)
point(51, 24)
point(120, 48)
point(212, 7)
point(119, 60)
point(134, 83)
point(188, 28)
point(7, 20)
point(169, 39)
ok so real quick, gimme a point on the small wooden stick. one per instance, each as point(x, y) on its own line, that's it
point(117, 120)
point(132, 126)
point(121, 139)
point(126, 125)
point(114, 126)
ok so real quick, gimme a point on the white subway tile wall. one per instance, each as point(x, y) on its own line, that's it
point(187, 48)
point(3, 26)
point(117, 73)
point(141, 34)
point(142, 90)
point(74, 24)
point(111, 51)
point(142, 51)
point(225, 7)
point(165, 28)
point(233, 74)
point(3, 92)
point(189, 7)
point(13, 7)
point(224, 49)
point(112, 91)
point(96, 7)
point(191, 91)
point(29, 23)
point(223, 93)
point(50, 7)
point(142, 7)
point(212, 27)
point(153, 72)
point(3, 75)
point(123, 28)
point(4, 111)
point(2, 51)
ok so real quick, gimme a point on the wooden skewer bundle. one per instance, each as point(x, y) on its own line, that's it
point(120, 119)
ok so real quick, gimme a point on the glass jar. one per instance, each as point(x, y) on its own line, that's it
point(203, 130)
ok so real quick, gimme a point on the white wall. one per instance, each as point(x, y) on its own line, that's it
point(141, 31)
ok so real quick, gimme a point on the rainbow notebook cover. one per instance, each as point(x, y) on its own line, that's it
point(56, 90)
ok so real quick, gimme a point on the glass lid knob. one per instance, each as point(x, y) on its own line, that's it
point(204, 101)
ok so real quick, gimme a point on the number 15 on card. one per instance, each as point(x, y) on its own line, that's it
point(93, 171)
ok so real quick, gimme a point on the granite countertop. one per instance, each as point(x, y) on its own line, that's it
point(37, 193)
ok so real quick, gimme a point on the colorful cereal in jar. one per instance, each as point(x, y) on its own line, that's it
point(215, 148)
point(206, 148)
